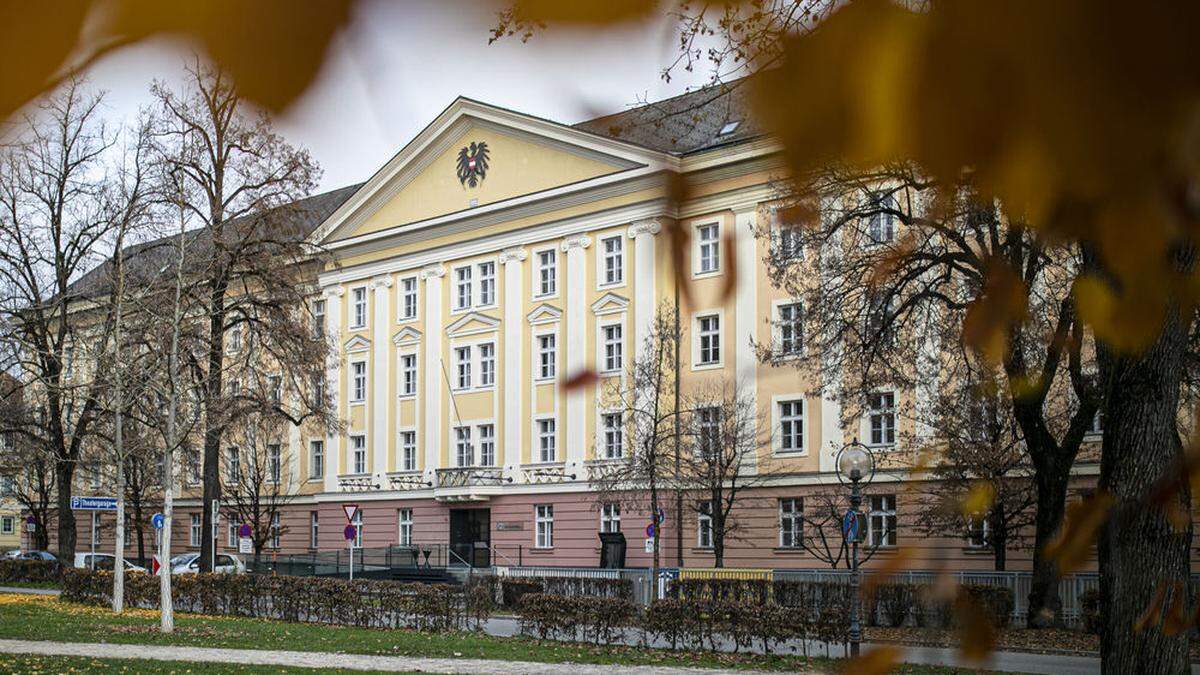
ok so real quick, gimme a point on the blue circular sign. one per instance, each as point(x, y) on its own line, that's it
point(350, 532)
point(244, 530)
point(158, 520)
point(850, 526)
point(650, 530)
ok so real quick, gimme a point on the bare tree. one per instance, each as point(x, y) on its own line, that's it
point(26, 468)
point(821, 532)
point(259, 484)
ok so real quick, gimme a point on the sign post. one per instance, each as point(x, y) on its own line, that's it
point(245, 543)
point(216, 519)
point(351, 532)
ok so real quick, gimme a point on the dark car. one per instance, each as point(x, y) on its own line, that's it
point(38, 555)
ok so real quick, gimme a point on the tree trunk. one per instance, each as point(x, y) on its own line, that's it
point(1140, 551)
point(1000, 547)
point(1045, 603)
point(212, 427)
point(64, 472)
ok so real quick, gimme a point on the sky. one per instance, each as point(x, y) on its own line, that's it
point(399, 64)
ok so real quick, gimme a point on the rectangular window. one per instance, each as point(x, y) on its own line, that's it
point(463, 450)
point(613, 347)
point(7, 525)
point(405, 518)
point(314, 529)
point(408, 450)
point(316, 459)
point(235, 339)
point(194, 530)
point(318, 314)
point(275, 388)
point(881, 224)
point(882, 414)
point(545, 526)
point(610, 517)
point(879, 309)
point(359, 530)
point(408, 375)
point(318, 392)
point(791, 243)
point(231, 536)
point(710, 339)
point(791, 426)
point(704, 532)
point(463, 288)
point(358, 379)
point(977, 531)
point(708, 431)
point(881, 522)
point(614, 260)
point(462, 365)
point(358, 304)
point(358, 447)
point(274, 462)
point(547, 441)
point(710, 247)
point(614, 432)
point(791, 522)
point(487, 445)
point(233, 464)
point(547, 270)
point(487, 283)
point(276, 530)
point(546, 356)
point(487, 364)
point(408, 298)
point(791, 330)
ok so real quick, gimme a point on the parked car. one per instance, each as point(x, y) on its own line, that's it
point(13, 554)
point(103, 561)
point(189, 563)
point(38, 555)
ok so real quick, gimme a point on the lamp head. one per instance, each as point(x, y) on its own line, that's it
point(855, 463)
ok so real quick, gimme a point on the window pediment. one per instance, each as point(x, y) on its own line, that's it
point(472, 323)
point(610, 303)
point(544, 313)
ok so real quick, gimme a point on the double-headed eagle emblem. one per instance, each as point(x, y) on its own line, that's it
point(472, 164)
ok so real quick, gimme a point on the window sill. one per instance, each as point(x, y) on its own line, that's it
point(354, 403)
point(411, 319)
point(406, 397)
point(708, 366)
point(541, 551)
point(786, 454)
point(541, 298)
point(789, 550)
point(706, 275)
point(544, 380)
point(608, 287)
point(356, 328)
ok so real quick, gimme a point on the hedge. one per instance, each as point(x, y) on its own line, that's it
point(512, 590)
point(1089, 611)
point(29, 570)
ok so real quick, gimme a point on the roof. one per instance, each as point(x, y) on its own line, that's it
point(683, 124)
point(146, 261)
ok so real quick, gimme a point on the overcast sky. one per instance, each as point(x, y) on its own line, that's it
point(401, 63)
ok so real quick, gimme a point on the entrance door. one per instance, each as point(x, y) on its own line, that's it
point(471, 536)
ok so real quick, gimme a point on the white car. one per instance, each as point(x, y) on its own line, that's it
point(189, 563)
point(103, 561)
point(13, 554)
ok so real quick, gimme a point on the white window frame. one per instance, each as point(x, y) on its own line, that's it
point(704, 528)
point(461, 302)
point(316, 458)
point(314, 529)
point(404, 527)
point(409, 375)
point(978, 529)
point(607, 363)
point(539, 371)
point(358, 444)
point(487, 364)
point(486, 433)
point(408, 451)
point(537, 267)
point(543, 526)
point(708, 429)
point(869, 419)
point(274, 463)
point(876, 221)
point(488, 280)
point(233, 345)
point(356, 303)
point(887, 527)
point(713, 246)
point(231, 535)
point(405, 294)
point(539, 434)
point(779, 419)
point(612, 437)
point(603, 269)
point(318, 314)
point(276, 529)
point(610, 517)
point(464, 446)
point(697, 340)
point(463, 356)
point(780, 327)
point(359, 382)
point(8, 524)
point(357, 521)
point(195, 531)
point(791, 513)
point(233, 463)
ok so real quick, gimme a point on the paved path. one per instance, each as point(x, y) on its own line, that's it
point(30, 591)
point(328, 660)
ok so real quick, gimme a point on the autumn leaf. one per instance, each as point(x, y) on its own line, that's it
point(995, 312)
point(875, 662)
point(977, 635)
point(581, 379)
point(1083, 521)
point(978, 499)
point(1153, 612)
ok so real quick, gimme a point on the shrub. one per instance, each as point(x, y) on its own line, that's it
point(29, 570)
point(1089, 611)
point(996, 602)
point(549, 616)
point(667, 621)
point(512, 590)
point(891, 603)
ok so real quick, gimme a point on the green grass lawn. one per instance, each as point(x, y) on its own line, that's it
point(47, 618)
point(31, 584)
point(30, 664)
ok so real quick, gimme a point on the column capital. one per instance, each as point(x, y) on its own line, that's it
point(382, 282)
point(746, 208)
point(580, 241)
point(651, 227)
point(333, 292)
point(513, 255)
point(433, 271)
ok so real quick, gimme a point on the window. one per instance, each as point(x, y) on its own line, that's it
point(879, 309)
point(791, 242)
point(704, 532)
point(358, 444)
point(612, 347)
point(547, 440)
point(408, 375)
point(358, 303)
point(276, 530)
point(487, 445)
point(194, 530)
point(235, 339)
point(7, 486)
point(463, 450)
point(359, 532)
point(710, 248)
point(487, 364)
point(8, 525)
point(977, 531)
point(610, 517)
point(791, 426)
point(882, 414)
point(408, 450)
point(547, 270)
point(881, 223)
point(708, 431)
point(545, 526)
point(233, 464)
point(274, 463)
point(316, 459)
point(1097, 428)
point(881, 522)
point(462, 365)
point(405, 520)
point(408, 298)
point(487, 283)
point(791, 329)
point(791, 523)
point(710, 339)
point(614, 432)
point(729, 128)
point(318, 392)
point(358, 375)
point(193, 466)
point(314, 529)
point(546, 356)
point(275, 388)
point(231, 535)
point(613, 254)
point(463, 288)
point(318, 315)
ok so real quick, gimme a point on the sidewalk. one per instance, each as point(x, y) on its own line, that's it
point(328, 660)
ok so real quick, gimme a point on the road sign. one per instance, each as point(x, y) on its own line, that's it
point(850, 526)
point(30, 524)
point(662, 516)
point(154, 566)
point(94, 503)
point(650, 545)
point(351, 532)
point(651, 530)
point(350, 510)
point(157, 520)
point(245, 545)
point(244, 530)
point(216, 512)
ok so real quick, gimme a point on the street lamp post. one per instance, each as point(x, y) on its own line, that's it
point(856, 466)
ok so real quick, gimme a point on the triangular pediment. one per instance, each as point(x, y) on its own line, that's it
point(358, 343)
point(544, 314)
point(472, 323)
point(407, 336)
point(525, 157)
point(610, 303)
